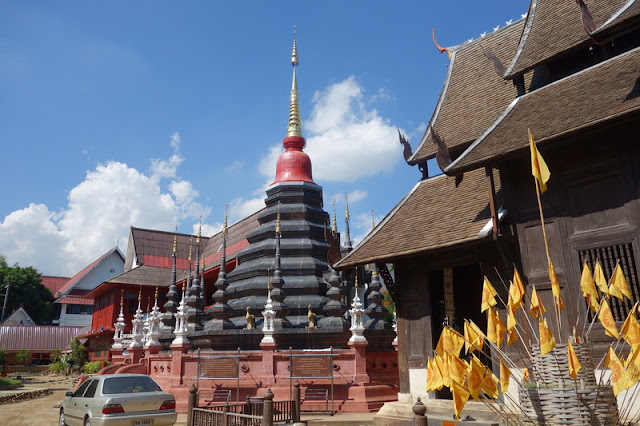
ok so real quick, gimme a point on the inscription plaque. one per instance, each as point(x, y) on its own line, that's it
point(311, 366)
point(219, 367)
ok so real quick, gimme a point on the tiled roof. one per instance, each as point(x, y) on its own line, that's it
point(474, 94)
point(434, 215)
point(144, 275)
point(54, 284)
point(630, 11)
point(552, 27)
point(69, 300)
point(155, 248)
point(603, 92)
point(77, 277)
point(36, 338)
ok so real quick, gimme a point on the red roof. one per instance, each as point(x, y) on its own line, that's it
point(70, 300)
point(82, 273)
point(36, 337)
point(54, 284)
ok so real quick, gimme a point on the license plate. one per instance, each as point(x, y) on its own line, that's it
point(143, 423)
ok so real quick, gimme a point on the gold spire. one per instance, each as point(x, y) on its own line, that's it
point(190, 247)
point(224, 226)
point(199, 231)
point(269, 279)
point(294, 111)
point(175, 241)
point(140, 295)
point(346, 208)
point(356, 277)
point(334, 225)
point(121, 297)
point(278, 227)
point(156, 295)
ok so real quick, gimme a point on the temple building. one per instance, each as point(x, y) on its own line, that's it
point(571, 75)
point(261, 295)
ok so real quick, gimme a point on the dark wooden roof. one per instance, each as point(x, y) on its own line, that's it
point(153, 276)
point(434, 215)
point(553, 27)
point(630, 11)
point(151, 244)
point(591, 97)
point(474, 94)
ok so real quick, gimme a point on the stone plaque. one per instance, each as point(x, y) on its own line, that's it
point(219, 368)
point(311, 366)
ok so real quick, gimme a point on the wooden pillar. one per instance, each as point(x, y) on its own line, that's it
point(192, 403)
point(267, 414)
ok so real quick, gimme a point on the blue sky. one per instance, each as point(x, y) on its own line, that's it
point(150, 113)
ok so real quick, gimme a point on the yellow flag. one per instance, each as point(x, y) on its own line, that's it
point(555, 287)
point(511, 319)
point(473, 336)
point(476, 376)
point(606, 319)
point(491, 326)
point(488, 295)
point(457, 368)
point(516, 291)
point(547, 341)
point(460, 397)
point(490, 384)
point(620, 378)
point(630, 329)
point(512, 337)
point(525, 374)
point(619, 286)
point(505, 374)
point(598, 276)
point(539, 168)
point(574, 362)
point(441, 371)
point(588, 288)
point(450, 341)
point(536, 309)
point(501, 329)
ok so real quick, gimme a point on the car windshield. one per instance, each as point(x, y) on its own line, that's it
point(115, 385)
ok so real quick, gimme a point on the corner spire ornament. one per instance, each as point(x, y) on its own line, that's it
point(334, 223)
point(175, 241)
point(294, 111)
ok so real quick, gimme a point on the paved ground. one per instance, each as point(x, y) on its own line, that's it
point(44, 410)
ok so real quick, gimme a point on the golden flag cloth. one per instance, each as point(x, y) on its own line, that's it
point(632, 364)
point(555, 287)
point(441, 371)
point(516, 291)
point(450, 341)
point(492, 336)
point(501, 329)
point(505, 374)
point(574, 362)
point(476, 376)
point(547, 341)
point(457, 368)
point(618, 286)
point(630, 330)
point(539, 168)
point(490, 384)
point(511, 319)
point(588, 287)
point(488, 295)
point(460, 397)
point(537, 308)
point(525, 374)
point(512, 337)
point(606, 319)
point(620, 377)
point(430, 375)
point(598, 276)
point(473, 337)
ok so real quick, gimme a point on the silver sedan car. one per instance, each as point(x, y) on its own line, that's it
point(118, 400)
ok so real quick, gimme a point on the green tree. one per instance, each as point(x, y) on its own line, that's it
point(78, 355)
point(24, 357)
point(55, 356)
point(3, 356)
point(26, 290)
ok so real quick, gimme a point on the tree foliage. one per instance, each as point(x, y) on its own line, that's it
point(26, 290)
point(78, 355)
point(24, 357)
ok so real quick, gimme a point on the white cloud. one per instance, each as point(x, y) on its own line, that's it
point(347, 139)
point(239, 208)
point(100, 211)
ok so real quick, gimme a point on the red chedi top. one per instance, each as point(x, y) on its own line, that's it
point(293, 165)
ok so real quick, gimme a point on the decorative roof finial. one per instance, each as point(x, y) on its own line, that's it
point(269, 279)
point(334, 224)
point(278, 227)
point(346, 206)
point(294, 111)
point(373, 220)
point(224, 226)
point(175, 240)
point(347, 236)
point(190, 248)
point(121, 298)
point(199, 231)
point(140, 296)
point(156, 295)
point(356, 277)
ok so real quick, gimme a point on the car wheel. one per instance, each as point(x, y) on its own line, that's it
point(62, 422)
